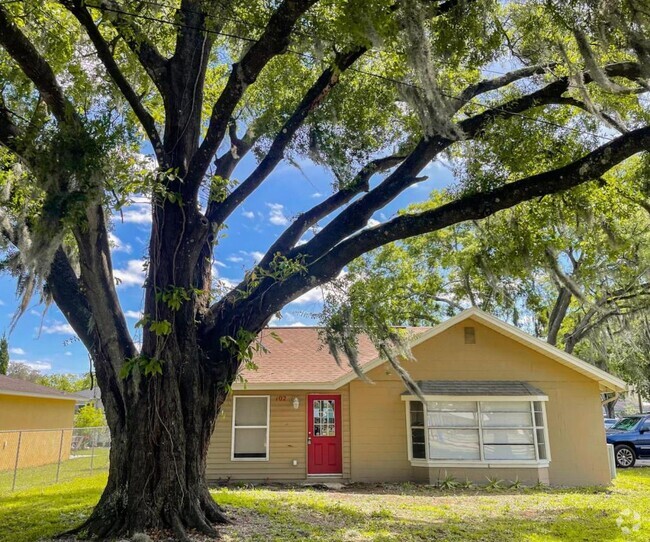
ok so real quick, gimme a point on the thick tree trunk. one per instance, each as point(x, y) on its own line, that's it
point(158, 456)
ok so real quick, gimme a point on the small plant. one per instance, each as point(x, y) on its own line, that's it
point(494, 484)
point(540, 485)
point(516, 484)
point(467, 484)
point(448, 482)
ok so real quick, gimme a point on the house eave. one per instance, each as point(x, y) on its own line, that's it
point(38, 395)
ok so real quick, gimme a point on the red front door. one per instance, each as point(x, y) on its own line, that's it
point(324, 435)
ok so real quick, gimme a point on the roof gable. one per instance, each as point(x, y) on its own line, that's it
point(606, 381)
point(301, 361)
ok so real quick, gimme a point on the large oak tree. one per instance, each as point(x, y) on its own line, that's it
point(375, 90)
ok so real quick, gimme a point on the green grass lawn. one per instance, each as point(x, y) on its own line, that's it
point(81, 463)
point(382, 513)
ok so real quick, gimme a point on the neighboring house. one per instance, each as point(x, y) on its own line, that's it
point(38, 418)
point(92, 395)
point(500, 404)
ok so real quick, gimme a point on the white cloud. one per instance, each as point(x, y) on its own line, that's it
point(133, 275)
point(257, 256)
point(68, 354)
point(316, 195)
point(248, 214)
point(372, 223)
point(133, 314)
point(118, 245)
point(235, 259)
point(219, 264)
point(36, 365)
point(1, 303)
point(17, 351)
point(58, 327)
point(276, 214)
point(312, 296)
point(139, 212)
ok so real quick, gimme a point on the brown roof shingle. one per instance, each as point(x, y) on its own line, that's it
point(301, 356)
point(15, 386)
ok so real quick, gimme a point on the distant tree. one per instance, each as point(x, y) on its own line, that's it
point(66, 381)
point(23, 371)
point(4, 355)
point(90, 416)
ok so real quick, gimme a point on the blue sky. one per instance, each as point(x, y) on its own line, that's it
point(44, 340)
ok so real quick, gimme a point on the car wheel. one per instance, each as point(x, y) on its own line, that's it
point(625, 456)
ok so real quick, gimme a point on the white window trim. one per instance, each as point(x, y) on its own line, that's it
point(267, 427)
point(492, 463)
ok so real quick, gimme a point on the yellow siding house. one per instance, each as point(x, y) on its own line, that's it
point(499, 404)
point(38, 418)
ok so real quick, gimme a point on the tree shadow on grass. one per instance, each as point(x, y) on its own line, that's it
point(278, 520)
point(410, 489)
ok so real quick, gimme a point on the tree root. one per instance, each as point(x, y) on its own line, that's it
point(107, 522)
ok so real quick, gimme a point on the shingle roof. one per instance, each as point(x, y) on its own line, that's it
point(477, 387)
point(301, 356)
point(15, 386)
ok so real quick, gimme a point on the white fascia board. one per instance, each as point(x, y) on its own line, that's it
point(484, 398)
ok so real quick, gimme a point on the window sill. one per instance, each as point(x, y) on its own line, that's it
point(506, 464)
point(258, 459)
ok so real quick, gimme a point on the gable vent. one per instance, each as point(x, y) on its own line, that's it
point(470, 335)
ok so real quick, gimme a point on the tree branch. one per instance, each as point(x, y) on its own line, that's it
point(488, 85)
point(239, 147)
point(470, 207)
point(558, 313)
point(10, 133)
point(151, 60)
point(357, 215)
point(306, 220)
point(36, 68)
point(78, 9)
point(63, 284)
point(618, 126)
point(218, 212)
point(586, 323)
point(273, 42)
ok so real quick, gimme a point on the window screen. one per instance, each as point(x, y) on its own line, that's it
point(250, 428)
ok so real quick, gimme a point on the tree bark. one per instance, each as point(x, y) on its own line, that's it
point(158, 457)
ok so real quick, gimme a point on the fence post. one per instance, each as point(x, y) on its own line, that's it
point(20, 438)
point(58, 465)
point(92, 450)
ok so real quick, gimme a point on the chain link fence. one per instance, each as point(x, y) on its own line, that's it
point(33, 458)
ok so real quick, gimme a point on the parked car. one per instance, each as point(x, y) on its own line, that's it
point(610, 422)
point(631, 439)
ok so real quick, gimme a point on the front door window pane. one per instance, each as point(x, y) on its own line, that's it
point(324, 418)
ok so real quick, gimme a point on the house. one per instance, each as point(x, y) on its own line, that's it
point(500, 404)
point(37, 418)
point(90, 396)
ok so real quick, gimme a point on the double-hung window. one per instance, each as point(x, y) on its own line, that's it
point(481, 431)
point(250, 428)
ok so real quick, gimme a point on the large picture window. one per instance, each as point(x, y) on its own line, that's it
point(477, 431)
point(250, 428)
